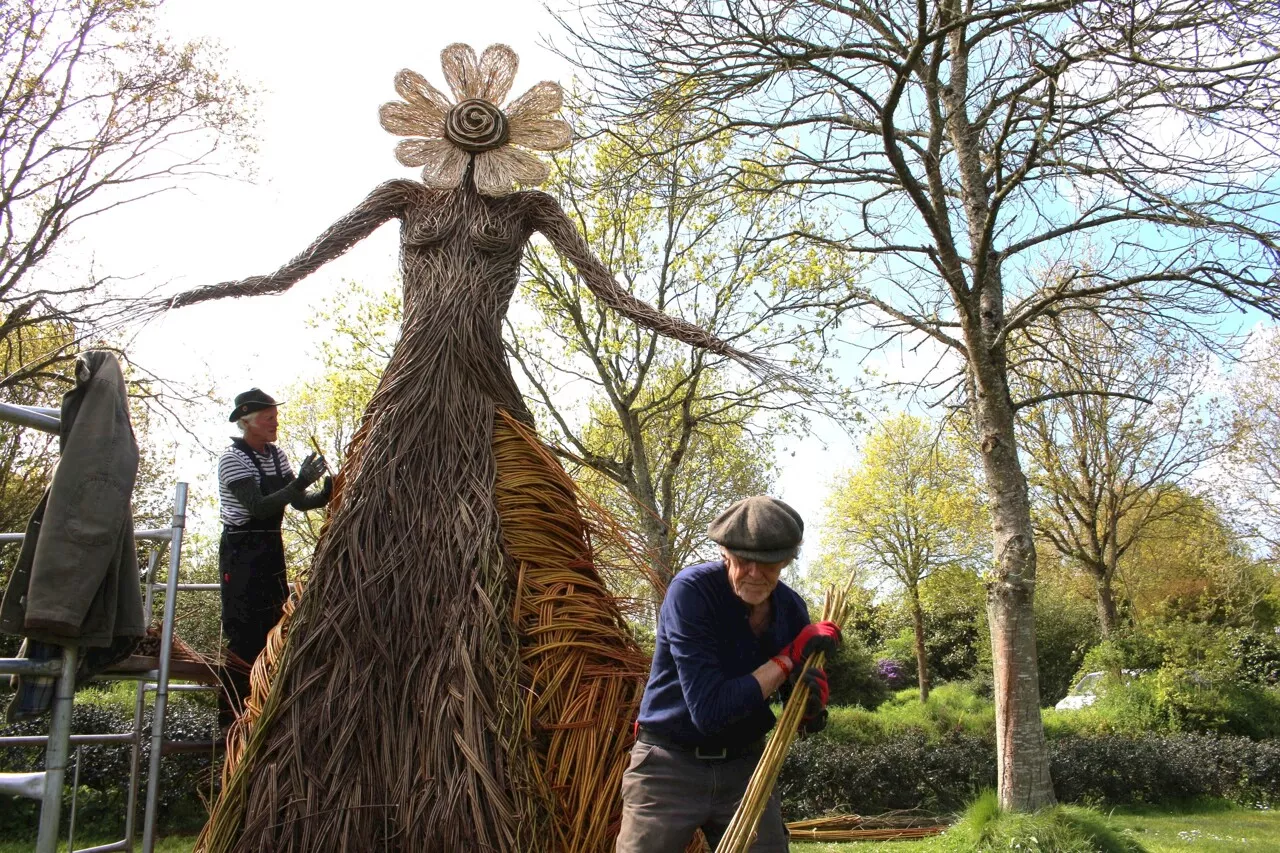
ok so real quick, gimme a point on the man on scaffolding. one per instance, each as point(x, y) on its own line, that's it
point(255, 484)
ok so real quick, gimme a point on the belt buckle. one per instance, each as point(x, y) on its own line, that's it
point(715, 755)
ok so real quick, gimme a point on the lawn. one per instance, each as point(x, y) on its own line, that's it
point(1204, 828)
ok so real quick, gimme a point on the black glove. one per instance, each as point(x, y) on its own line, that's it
point(815, 710)
point(310, 470)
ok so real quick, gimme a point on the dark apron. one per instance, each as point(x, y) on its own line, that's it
point(251, 562)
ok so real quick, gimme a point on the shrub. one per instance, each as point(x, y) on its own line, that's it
point(951, 709)
point(1119, 770)
point(1173, 699)
point(102, 797)
point(1258, 654)
point(1066, 628)
point(853, 678)
point(892, 673)
point(821, 776)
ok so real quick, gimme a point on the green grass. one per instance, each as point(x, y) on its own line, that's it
point(173, 844)
point(1205, 827)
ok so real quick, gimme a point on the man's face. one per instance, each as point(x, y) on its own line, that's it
point(753, 581)
point(262, 426)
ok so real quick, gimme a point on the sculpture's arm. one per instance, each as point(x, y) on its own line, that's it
point(552, 222)
point(386, 202)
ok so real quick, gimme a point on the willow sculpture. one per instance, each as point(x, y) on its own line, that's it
point(455, 676)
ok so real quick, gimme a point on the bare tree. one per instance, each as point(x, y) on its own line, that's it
point(96, 111)
point(970, 149)
point(1255, 465)
point(1106, 467)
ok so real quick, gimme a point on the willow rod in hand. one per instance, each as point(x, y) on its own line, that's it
point(737, 838)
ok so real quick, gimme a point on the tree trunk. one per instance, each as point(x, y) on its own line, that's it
point(1022, 756)
point(922, 662)
point(1108, 621)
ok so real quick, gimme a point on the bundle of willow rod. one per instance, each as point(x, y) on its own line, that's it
point(581, 670)
point(837, 835)
point(738, 836)
point(887, 827)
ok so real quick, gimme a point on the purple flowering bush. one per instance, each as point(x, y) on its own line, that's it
point(892, 673)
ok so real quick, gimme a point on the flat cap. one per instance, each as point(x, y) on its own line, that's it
point(759, 528)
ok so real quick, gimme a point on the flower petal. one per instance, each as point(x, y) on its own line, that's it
point(541, 134)
point(420, 152)
point(461, 71)
point(498, 66)
point(407, 120)
point(445, 167)
point(415, 89)
point(540, 101)
point(497, 170)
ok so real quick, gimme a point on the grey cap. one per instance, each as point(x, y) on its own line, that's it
point(760, 528)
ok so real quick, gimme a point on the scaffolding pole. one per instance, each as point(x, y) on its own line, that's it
point(166, 649)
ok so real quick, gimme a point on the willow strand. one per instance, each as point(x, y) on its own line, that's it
point(740, 833)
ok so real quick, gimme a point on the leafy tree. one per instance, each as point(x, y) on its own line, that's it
point(358, 331)
point(676, 433)
point(1000, 164)
point(911, 508)
point(722, 462)
point(1191, 565)
point(1102, 462)
point(97, 110)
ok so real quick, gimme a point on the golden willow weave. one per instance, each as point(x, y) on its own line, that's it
point(455, 676)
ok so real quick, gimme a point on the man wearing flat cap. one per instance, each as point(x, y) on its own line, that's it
point(730, 636)
point(256, 483)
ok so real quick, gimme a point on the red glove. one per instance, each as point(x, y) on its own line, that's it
point(818, 637)
point(815, 709)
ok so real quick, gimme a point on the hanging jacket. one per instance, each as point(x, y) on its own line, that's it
point(76, 580)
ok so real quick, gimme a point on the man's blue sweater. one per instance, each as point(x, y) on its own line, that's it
point(701, 691)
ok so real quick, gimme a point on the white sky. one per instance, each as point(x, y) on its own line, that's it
point(322, 76)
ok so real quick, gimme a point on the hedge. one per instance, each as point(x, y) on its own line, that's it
point(822, 777)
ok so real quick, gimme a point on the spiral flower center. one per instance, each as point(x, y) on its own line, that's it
point(475, 125)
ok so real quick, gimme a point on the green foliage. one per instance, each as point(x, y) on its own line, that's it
point(950, 710)
point(1066, 629)
point(662, 435)
point(186, 778)
point(851, 674)
point(822, 776)
point(912, 509)
point(985, 828)
point(1192, 679)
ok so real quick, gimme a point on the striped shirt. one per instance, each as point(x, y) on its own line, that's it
point(235, 465)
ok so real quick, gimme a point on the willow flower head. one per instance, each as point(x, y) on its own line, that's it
point(448, 135)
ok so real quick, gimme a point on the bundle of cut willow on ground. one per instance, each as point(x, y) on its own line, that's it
point(737, 838)
point(851, 827)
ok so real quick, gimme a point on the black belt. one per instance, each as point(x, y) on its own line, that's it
point(705, 752)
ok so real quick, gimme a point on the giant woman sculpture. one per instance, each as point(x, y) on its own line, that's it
point(455, 677)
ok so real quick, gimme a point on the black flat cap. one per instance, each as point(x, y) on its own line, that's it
point(253, 400)
point(760, 528)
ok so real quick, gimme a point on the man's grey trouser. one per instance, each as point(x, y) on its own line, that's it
point(668, 794)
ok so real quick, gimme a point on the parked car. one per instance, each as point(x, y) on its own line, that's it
point(1085, 691)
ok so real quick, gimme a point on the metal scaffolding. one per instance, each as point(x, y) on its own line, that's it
point(48, 784)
